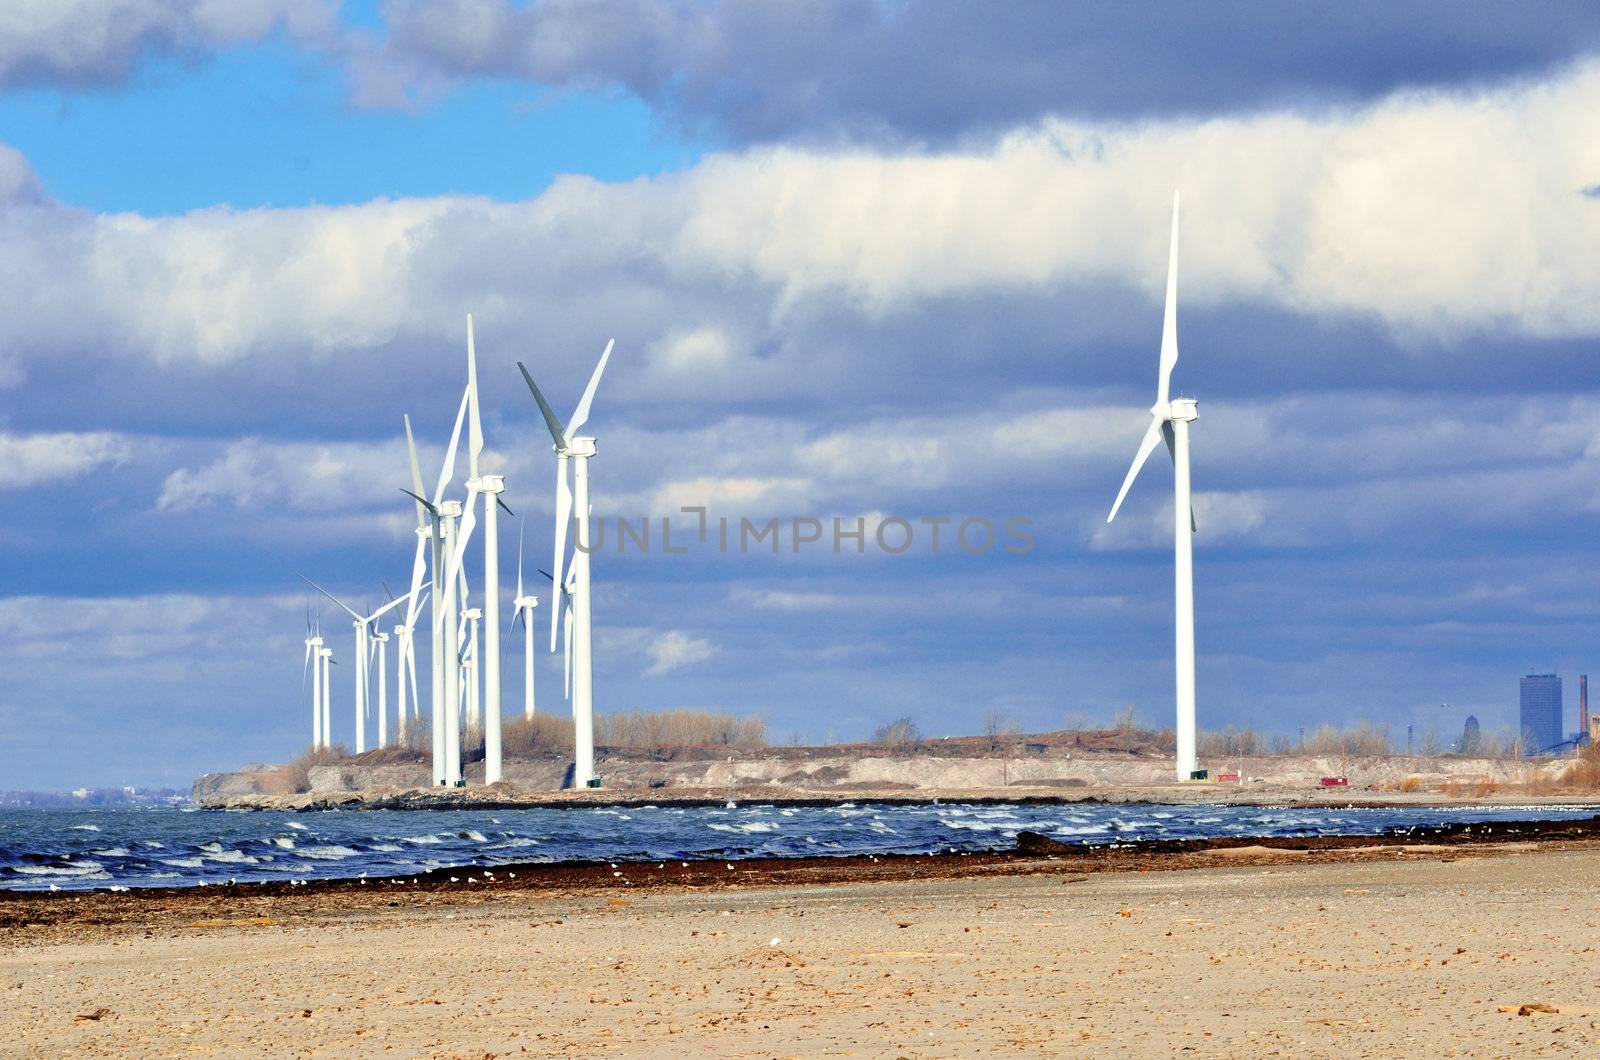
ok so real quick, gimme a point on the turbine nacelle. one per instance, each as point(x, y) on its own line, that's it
point(1185, 409)
point(578, 447)
point(450, 509)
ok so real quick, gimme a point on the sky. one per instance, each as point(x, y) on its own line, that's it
point(862, 260)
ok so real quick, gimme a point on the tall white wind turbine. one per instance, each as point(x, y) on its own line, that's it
point(1169, 420)
point(489, 487)
point(445, 674)
point(576, 450)
point(314, 651)
point(522, 611)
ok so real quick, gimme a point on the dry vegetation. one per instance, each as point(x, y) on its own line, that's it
point(678, 728)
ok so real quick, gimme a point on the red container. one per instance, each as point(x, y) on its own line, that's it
point(1336, 782)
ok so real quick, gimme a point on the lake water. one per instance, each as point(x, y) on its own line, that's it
point(88, 848)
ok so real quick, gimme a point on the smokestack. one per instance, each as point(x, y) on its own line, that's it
point(1583, 704)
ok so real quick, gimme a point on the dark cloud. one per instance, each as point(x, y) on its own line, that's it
point(56, 44)
point(937, 71)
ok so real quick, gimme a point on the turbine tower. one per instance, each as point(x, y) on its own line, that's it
point(314, 650)
point(489, 487)
point(436, 512)
point(326, 657)
point(381, 639)
point(1169, 420)
point(576, 450)
point(522, 611)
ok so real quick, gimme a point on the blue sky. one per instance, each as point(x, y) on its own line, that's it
point(861, 260)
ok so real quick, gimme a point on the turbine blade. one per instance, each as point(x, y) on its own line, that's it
point(453, 562)
point(567, 640)
point(448, 471)
point(1169, 321)
point(563, 517)
point(581, 415)
point(1147, 445)
point(330, 596)
point(475, 425)
point(505, 507)
point(557, 433)
point(423, 502)
point(411, 666)
point(521, 532)
point(417, 489)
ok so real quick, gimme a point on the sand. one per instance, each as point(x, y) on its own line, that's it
point(1388, 953)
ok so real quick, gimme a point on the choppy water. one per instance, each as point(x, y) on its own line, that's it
point(118, 848)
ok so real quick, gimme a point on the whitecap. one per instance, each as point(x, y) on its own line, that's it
point(233, 857)
point(77, 868)
point(85, 828)
point(475, 836)
point(421, 839)
point(748, 826)
point(332, 852)
point(111, 852)
point(387, 848)
point(297, 825)
point(183, 863)
point(283, 841)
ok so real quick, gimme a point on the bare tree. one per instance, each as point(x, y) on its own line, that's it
point(899, 733)
point(996, 726)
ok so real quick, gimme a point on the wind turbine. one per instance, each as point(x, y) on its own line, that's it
point(313, 648)
point(381, 639)
point(363, 626)
point(442, 515)
point(522, 607)
point(325, 661)
point(489, 487)
point(1170, 419)
point(576, 450)
point(471, 617)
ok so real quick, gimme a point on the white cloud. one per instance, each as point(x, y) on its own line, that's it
point(787, 600)
point(1442, 214)
point(32, 459)
point(305, 476)
point(673, 650)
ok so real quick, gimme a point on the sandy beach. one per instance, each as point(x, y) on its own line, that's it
point(1375, 950)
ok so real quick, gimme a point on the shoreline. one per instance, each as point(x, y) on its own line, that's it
point(32, 916)
point(506, 797)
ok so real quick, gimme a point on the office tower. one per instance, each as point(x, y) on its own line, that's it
point(1471, 736)
point(1541, 713)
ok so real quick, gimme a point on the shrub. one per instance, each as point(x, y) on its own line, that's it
point(298, 770)
point(536, 735)
point(678, 728)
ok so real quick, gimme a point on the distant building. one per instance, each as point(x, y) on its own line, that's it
point(1471, 736)
point(1541, 713)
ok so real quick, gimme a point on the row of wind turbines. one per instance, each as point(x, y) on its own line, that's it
point(445, 526)
point(465, 692)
